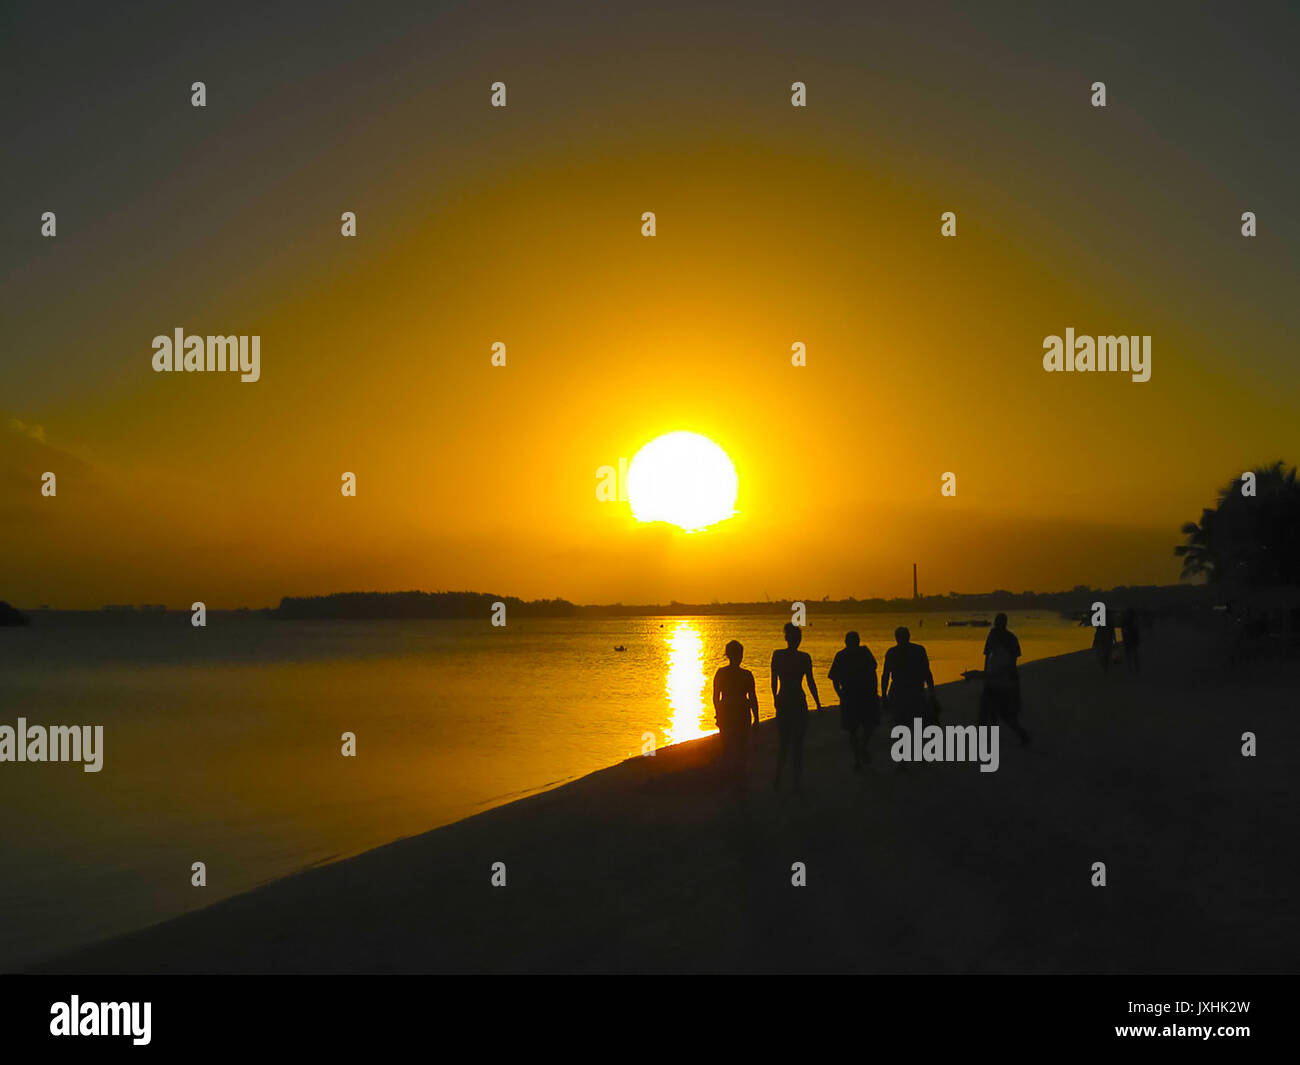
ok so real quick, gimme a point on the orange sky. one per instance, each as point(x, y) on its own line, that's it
point(775, 225)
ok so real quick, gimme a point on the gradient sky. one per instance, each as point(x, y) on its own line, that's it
point(522, 225)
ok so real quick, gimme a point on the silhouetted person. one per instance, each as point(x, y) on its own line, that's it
point(1000, 699)
point(853, 673)
point(1103, 645)
point(735, 708)
point(905, 678)
point(1128, 627)
point(790, 667)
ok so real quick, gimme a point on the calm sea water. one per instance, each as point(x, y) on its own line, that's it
point(222, 744)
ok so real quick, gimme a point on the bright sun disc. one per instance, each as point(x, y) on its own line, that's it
point(684, 479)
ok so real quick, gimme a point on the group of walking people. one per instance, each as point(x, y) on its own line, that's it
point(906, 692)
point(1103, 641)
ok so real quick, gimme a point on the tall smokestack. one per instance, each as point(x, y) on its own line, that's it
point(915, 595)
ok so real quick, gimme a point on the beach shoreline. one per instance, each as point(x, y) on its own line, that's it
point(650, 865)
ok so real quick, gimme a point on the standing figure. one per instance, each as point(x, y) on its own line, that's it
point(735, 709)
point(790, 667)
point(853, 674)
point(1000, 699)
point(905, 679)
point(1103, 644)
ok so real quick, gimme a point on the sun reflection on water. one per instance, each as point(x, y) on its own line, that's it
point(689, 714)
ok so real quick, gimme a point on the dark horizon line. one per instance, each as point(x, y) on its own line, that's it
point(320, 605)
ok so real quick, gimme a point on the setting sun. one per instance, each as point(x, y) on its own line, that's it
point(684, 479)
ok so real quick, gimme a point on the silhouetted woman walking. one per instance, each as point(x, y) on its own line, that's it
point(789, 668)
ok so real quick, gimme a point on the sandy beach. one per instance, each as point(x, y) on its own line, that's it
point(652, 866)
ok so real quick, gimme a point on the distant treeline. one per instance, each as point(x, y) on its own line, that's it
point(1159, 599)
point(417, 605)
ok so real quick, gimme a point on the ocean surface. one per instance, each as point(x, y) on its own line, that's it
point(222, 744)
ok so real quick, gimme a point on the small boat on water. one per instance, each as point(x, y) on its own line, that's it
point(620, 647)
point(974, 623)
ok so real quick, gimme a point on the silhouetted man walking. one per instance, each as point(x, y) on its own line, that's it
point(905, 678)
point(853, 673)
point(1000, 698)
